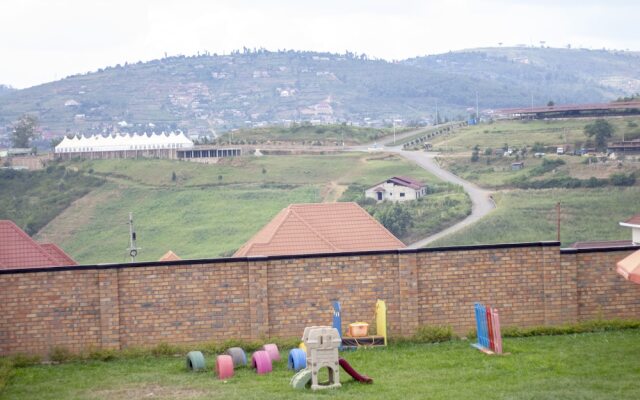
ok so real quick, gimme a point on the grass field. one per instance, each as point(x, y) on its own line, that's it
point(208, 210)
point(309, 134)
point(520, 133)
point(529, 215)
point(580, 366)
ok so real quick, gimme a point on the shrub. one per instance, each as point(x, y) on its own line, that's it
point(164, 349)
point(433, 334)
point(580, 327)
point(60, 354)
point(24, 360)
point(6, 372)
point(622, 179)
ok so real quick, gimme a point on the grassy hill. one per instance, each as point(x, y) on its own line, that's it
point(590, 211)
point(32, 199)
point(211, 210)
point(219, 92)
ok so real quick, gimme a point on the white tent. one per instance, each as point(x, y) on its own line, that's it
point(98, 143)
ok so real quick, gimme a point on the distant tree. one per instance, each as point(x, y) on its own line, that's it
point(395, 217)
point(475, 154)
point(24, 130)
point(551, 103)
point(600, 130)
point(55, 141)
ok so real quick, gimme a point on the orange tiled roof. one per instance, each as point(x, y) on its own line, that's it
point(18, 250)
point(320, 228)
point(58, 254)
point(170, 256)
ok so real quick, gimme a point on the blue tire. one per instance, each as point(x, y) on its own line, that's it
point(238, 356)
point(297, 360)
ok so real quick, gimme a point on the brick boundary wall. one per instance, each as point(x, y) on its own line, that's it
point(194, 301)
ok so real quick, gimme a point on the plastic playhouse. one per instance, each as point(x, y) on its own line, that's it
point(322, 344)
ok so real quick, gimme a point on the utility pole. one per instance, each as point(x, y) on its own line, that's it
point(437, 118)
point(477, 112)
point(133, 248)
point(394, 131)
point(558, 221)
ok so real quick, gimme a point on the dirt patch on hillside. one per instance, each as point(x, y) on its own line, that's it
point(78, 214)
point(332, 191)
point(149, 391)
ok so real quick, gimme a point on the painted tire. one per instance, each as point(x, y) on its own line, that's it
point(224, 366)
point(301, 379)
point(273, 351)
point(195, 361)
point(238, 355)
point(297, 360)
point(261, 361)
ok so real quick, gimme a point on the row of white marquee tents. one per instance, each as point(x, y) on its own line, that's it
point(125, 142)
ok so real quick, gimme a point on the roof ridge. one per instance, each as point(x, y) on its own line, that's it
point(385, 230)
point(29, 239)
point(315, 232)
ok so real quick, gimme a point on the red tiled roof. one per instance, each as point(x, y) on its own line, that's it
point(320, 228)
point(18, 250)
point(58, 254)
point(635, 220)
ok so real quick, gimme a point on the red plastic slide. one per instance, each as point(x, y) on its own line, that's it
point(354, 374)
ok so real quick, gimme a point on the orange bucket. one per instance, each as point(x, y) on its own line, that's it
point(358, 329)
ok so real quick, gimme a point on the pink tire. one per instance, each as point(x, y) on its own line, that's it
point(261, 361)
point(273, 351)
point(224, 366)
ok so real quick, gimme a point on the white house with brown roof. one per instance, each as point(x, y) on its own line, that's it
point(634, 224)
point(397, 188)
point(320, 228)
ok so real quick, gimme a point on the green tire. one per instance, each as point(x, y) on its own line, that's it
point(195, 361)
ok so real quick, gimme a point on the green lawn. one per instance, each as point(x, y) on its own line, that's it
point(529, 215)
point(581, 366)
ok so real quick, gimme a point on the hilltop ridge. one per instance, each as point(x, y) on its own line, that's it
point(213, 93)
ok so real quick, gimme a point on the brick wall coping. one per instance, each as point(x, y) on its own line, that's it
point(283, 257)
point(570, 250)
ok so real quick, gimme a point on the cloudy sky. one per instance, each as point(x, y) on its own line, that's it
point(45, 40)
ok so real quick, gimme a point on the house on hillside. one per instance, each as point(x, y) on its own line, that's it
point(320, 228)
point(398, 188)
point(633, 223)
point(18, 250)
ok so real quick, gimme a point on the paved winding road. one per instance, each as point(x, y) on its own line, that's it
point(481, 201)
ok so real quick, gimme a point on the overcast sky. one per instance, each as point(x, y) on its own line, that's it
point(45, 40)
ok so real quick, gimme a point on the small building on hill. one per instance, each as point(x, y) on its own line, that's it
point(320, 228)
point(398, 188)
point(18, 250)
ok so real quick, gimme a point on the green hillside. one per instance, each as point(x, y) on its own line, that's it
point(208, 93)
point(203, 211)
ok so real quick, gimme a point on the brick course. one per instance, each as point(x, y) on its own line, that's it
point(190, 302)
